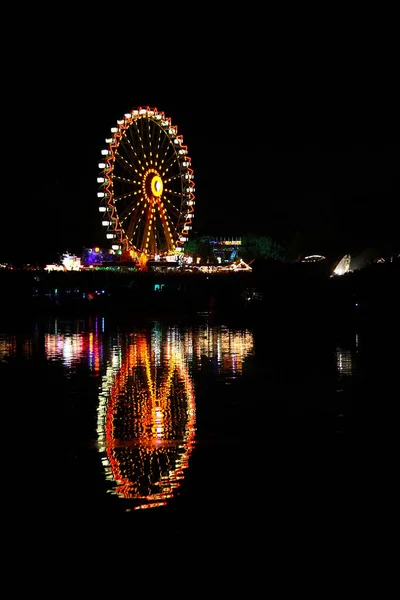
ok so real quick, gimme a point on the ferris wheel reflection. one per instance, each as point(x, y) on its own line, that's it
point(146, 418)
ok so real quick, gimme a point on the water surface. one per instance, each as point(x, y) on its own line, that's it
point(175, 427)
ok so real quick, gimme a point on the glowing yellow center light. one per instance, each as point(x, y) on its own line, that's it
point(156, 186)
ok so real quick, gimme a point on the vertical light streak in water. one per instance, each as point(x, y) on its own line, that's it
point(156, 343)
point(344, 362)
point(68, 352)
point(94, 351)
point(71, 349)
point(8, 347)
point(226, 347)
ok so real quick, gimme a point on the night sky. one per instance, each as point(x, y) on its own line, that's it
point(274, 153)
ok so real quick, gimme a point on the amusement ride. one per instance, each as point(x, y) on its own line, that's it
point(146, 188)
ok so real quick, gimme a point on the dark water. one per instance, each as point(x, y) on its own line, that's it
point(204, 429)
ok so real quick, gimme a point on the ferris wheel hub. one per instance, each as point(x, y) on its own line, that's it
point(156, 186)
point(152, 185)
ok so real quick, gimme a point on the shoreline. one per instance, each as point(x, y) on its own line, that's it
point(285, 294)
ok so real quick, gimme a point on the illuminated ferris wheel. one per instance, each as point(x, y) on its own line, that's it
point(146, 186)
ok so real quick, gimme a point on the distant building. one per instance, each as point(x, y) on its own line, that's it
point(69, 262)
point(313, 258)
point(343, 265)
point(96, 257)
point(225, 249)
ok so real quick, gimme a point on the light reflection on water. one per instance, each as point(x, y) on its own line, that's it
point(149, 381)
point(147, 416)
point(344, 361)
point(146, 408)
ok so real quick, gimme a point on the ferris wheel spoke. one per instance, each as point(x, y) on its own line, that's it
point(169, 164)
point(132, 196)
point(135, 142)
point(170, 206)
point(169, 193)
point(172, 217)
point(165, 143)
point(126, 170)
point(175, 177)
point(124, 180)
point(166, 150)
point(132, 224)
point(150, 136)
point(140, 135)
point(159, 152)
point(141, 131)
point(130, 143)
point(130, 152)
point(128, 207)
point(155, 140)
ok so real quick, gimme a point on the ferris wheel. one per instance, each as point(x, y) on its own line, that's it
point(146, 186)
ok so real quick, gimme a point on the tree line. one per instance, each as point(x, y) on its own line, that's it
point(252, 247)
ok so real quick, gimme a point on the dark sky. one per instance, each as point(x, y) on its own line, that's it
point(309, 160)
